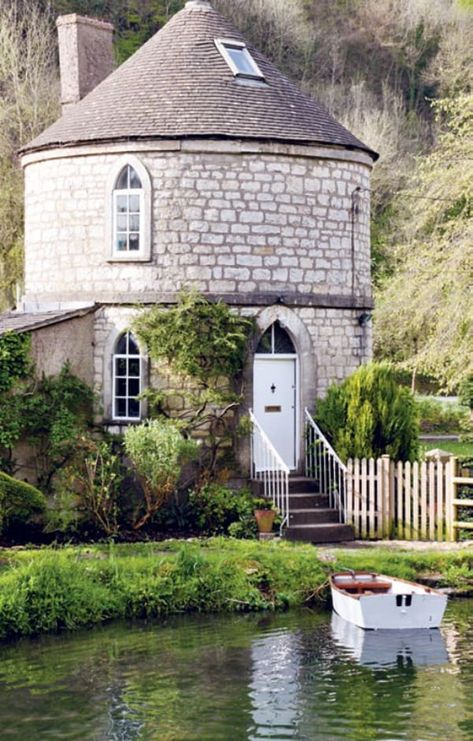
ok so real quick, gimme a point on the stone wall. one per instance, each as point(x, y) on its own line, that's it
point(275, 220)
point(335, 346)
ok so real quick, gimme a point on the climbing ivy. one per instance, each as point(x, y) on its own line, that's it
point(203, 347)
point(48, 412)
point(14, 358)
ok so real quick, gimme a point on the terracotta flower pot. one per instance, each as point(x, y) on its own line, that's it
point(265, 520)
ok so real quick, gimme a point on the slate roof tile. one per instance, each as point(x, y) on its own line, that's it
point(178, 85)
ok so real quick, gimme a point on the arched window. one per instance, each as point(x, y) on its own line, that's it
point(275, 341)
point(128, 211)
point(127, 375)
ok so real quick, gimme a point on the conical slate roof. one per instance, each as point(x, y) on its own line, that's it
point(178, 85)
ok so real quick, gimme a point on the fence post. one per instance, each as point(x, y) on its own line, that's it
point(387, 496)
point(349, 494)
point(450, 496)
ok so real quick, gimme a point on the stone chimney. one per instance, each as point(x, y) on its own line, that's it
point(85, 55)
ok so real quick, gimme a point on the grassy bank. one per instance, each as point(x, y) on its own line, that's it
point(50, 590)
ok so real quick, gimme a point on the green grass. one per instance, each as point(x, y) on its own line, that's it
point(49, 589)
point(455, 448)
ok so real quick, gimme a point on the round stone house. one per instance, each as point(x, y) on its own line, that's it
point(198, 164)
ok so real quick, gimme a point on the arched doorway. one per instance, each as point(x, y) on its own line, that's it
point(275, 391)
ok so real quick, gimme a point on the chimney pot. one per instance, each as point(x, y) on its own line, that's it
point(85, 55)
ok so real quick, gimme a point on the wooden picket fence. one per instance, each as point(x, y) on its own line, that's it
point(408, 501)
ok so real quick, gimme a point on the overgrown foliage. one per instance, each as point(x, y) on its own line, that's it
point(424, 312)
point(216, 510)
point(14, 358)
point(49, 412)
point(158, 451)
point(370, 415)
point(466, 393)
point(44, 591)
point(438, 417)
point(201, 346)
point(88, 488)
point(20, 504)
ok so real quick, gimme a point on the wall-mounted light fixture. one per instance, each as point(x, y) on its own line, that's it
point(364, 319)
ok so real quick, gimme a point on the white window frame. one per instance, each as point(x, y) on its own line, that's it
point(145, 195)
point(222, 45)
point(126, 356)
point(127, 192)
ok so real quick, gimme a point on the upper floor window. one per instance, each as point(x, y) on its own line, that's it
point(128, 211)
point(129, 214)
point(127, 379)
point(239, 59)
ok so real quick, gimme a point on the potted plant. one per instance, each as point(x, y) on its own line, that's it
point(265, 514)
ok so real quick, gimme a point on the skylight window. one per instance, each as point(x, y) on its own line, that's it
point(239, 59)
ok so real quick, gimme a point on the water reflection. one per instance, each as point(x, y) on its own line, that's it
point(274, 687)
point(294, 676)
point(384, 648)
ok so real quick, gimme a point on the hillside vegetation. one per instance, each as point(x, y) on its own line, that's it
point(398, 73)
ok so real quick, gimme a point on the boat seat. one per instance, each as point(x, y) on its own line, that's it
point(360, 587)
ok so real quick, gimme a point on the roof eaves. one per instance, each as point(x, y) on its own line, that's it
point(169, 137)
point(32, 322)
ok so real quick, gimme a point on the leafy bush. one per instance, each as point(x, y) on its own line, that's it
point(438, 417)
point(94, 476)
point(466, 393)
point(158, 452)
point(216, 510)
point(370, 415)
point(20, 503)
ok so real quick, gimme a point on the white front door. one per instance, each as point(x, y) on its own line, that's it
point(274, 405)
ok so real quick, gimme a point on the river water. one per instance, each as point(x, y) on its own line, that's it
point(300, 675)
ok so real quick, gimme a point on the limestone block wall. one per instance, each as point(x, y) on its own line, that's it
point(276, 219)
point(330, 342)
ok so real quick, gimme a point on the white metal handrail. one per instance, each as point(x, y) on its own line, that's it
point(324, 465)
point(269, 468)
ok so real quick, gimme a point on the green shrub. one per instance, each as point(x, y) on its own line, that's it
point(20, 503)
point(216, 510)
point(93, 477)
point(370, 415)
point(158, 452)
point(438, 417)
point(466, 394)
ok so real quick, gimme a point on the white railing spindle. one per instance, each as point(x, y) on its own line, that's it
point(323, 464)
point(269, 468)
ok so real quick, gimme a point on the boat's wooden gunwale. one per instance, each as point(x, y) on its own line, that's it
point(391, 579)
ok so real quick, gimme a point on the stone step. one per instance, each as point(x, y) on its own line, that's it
point(302, 484)
point(300, 500)
point(313, 516)
point(325, 533)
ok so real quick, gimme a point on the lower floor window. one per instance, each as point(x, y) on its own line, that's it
point(127, 374)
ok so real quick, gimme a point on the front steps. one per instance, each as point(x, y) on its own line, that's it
point(311, 520)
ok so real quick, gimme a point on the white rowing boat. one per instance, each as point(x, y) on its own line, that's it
point(377, 602)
